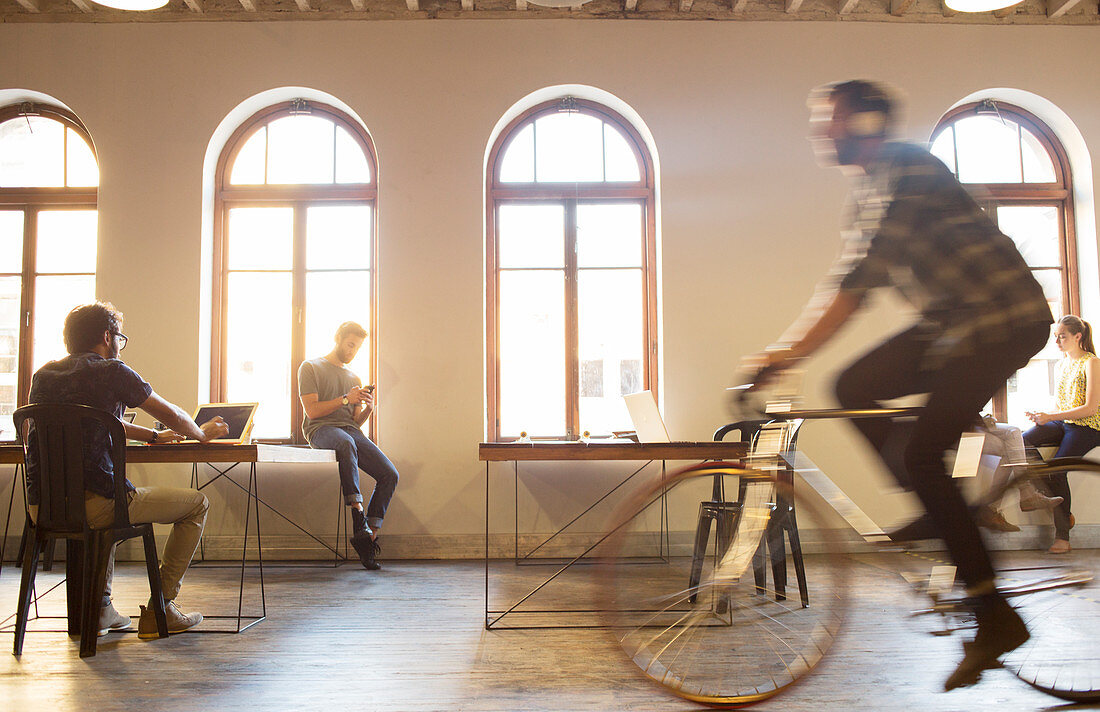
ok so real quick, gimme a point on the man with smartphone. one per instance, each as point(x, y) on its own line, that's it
point(336, 406)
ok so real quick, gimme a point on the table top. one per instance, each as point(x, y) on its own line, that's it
point(617, 450)
point(12, 454)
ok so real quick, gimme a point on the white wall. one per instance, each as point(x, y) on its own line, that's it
point(748, 219)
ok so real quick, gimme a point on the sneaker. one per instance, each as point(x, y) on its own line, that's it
point(992, 519)
point(110, 619)
point(1000, 630)
point(367, 549)
point(178, 621)
point(1037, 500)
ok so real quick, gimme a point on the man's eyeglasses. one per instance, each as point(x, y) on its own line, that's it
point(122, 339)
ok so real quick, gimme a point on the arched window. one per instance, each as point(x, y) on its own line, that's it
point(48, 186)
point(1019, 173)
point(571, 271)
point(293, 255)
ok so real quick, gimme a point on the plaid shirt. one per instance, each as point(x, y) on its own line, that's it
point(912, 226)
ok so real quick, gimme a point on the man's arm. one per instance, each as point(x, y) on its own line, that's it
point(148, 435)
point(318, 408)
point(820, 320)
point(179, 421)
point(367, 402)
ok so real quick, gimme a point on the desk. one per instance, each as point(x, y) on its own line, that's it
point(211, 453)
point(515, 452)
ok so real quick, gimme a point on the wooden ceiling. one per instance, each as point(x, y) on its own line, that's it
point(1028, 12)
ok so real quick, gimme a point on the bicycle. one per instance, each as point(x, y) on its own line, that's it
point(721, 635)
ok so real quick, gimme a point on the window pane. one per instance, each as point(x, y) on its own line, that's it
point(518, 163)
point(943, 148)
point(351, 162)
point(11, 241)
point(300, 150)
point(54, 298)
point(82, 171)
point(989, 150)
point(611, 343)
point(248, 166)
point(331, 299)
point(32, 153)
point(338, 237)
point(620, 162)
point(609, 235)
point(1051, 281)
point(1032, 387)
point(260, 238)
point(9, 352)
point(1038, 167)
point(531, 236)
point(258, 350)
point(1034, 229)
point(568, 147)
point(532, 353)
point(66, 241)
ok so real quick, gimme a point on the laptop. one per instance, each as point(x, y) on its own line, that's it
point(647, 420)
point(238, 416)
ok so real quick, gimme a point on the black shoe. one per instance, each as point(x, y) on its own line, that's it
point(1000, 630)
point(359, 523)
point(367, 549)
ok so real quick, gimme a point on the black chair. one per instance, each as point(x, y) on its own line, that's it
point(725, 513)
point(53, 437)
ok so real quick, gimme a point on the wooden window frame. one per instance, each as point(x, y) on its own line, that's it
point(298, 197)
point(32, 201)
point(1058, 193)
point(569, 195)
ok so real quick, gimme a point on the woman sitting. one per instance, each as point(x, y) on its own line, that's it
point(1075, 426)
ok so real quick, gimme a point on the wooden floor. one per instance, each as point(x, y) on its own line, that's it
point(411, 637)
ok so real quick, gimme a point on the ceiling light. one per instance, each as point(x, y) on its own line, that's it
point(135, 5)
point(980, 5)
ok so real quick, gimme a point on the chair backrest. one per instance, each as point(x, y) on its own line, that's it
point(55, 437)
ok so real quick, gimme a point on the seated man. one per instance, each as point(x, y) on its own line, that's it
point(93, 375)
point(336, 406)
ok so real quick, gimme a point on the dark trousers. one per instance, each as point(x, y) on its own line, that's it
point(1073, 441)
point(914, 452)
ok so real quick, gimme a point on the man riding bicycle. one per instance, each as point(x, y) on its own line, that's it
point(912, 226)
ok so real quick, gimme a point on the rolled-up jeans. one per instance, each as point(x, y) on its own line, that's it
point(354, 452)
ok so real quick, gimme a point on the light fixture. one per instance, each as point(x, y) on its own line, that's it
point(980, 5)
point(133, 5)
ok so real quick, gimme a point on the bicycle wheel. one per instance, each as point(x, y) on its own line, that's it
point(1061, 607)
point(726, 629)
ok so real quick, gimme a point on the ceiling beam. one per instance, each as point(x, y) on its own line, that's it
point(83, 5)
point(195, 5)
point(900, 7)
point(1057, 8)
point(29, 5)
point(792, 6)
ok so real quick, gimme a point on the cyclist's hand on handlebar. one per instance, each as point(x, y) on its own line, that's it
point(760, 368)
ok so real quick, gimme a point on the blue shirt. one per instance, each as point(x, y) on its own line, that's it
point(89, 379)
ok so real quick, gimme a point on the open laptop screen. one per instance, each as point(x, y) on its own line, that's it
point(646, 418)
point(237, 415)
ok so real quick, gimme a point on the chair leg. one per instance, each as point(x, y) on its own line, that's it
point(778, 551)
point(156, 589)
point(796, 555)
point(96, 576)
point(31, 550)
point(702, 533)
point(77, 572)
point(47, 555)
point(723, 540)
point(759, 567)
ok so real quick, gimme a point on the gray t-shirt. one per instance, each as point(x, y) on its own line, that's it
point(320, 376)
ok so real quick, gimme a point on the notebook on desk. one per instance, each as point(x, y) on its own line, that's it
point(647, 420)
point(238, 416)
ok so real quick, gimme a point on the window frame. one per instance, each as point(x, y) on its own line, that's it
point(569, 195)
point(299, 197)
point(1058, 193)
point(32, 201)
